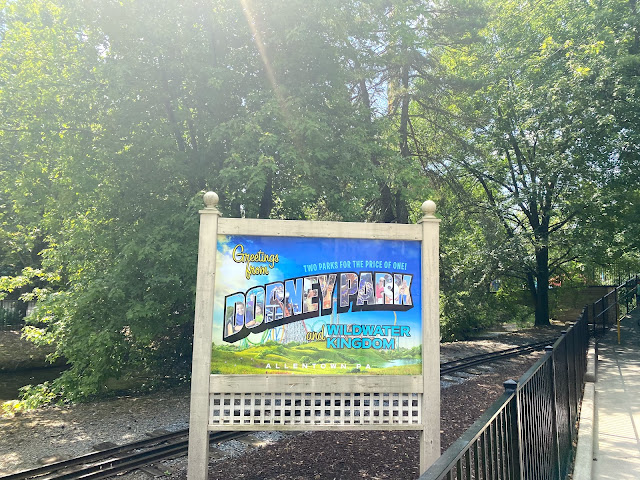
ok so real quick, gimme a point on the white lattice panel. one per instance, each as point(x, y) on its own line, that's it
point(315, 409)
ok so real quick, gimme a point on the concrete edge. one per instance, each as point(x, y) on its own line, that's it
point(592, 360)
point(583, 464)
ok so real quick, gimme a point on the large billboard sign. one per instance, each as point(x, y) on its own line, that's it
point(311, 325)
point(317, 306)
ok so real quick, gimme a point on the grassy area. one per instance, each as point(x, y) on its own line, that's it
point(312, 357)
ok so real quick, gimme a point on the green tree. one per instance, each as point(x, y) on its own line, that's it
point(616, 81)
point(531, 149)
point(389, 47)
point(116, 116)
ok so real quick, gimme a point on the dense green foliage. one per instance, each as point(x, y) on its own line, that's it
point(530, 105)
point(520, 118)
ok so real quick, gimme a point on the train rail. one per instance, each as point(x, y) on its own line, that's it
point(112, 461)
point(474, 360)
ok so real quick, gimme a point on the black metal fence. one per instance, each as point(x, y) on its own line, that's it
point(12, 313)
point(529, 432)
point(606, 311)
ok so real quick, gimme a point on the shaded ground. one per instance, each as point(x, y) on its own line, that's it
point(23, 363)
point(70, 431)
point(73, 430)
point(372, 455)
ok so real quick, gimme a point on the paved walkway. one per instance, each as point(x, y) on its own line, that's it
point(617, 404)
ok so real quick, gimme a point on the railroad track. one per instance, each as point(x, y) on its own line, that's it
point(474, 360)
point(112, 461)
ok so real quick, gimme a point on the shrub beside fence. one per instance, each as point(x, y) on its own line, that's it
point(529, 432)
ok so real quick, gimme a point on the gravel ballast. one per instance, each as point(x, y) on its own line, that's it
point(34, 437)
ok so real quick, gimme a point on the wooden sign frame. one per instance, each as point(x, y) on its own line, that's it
point(313, 402)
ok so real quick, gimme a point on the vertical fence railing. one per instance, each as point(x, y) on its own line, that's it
point(530, 431)
point(607, 310)
point(537, 422)
point(563, 403)
point(489, 449)
point(629, 290)
point(12, 313)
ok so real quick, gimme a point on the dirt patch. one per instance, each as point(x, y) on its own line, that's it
point(70, 431)
point(373, 455)
point(74, 430)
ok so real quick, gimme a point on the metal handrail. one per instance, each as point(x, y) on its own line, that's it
point(623, 295)
point(528, 433)
point(456, 452)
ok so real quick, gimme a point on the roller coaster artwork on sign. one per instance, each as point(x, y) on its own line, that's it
point(315, 325)
point(294, 305)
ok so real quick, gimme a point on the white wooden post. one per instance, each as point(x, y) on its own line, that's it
point(430, 435)
point(198, 462)
point(426, 387)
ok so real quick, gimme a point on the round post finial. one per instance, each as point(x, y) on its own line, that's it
point(211, 199)
point(429, 208)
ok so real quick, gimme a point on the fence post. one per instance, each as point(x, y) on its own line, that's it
point(617, 312)
point(605, 314)
point(554, 420)
point(198, 460)
point(594, 318)
point(570, 390)
point(517, 465)
point(578, 350)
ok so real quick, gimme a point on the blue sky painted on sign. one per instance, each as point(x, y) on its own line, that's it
point(300, 257)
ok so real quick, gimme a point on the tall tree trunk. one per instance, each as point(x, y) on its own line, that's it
point(386, 201)
point(402, 210)
point(170, 98)
point(404, 113)
point(387, 214)
point(542, 286)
